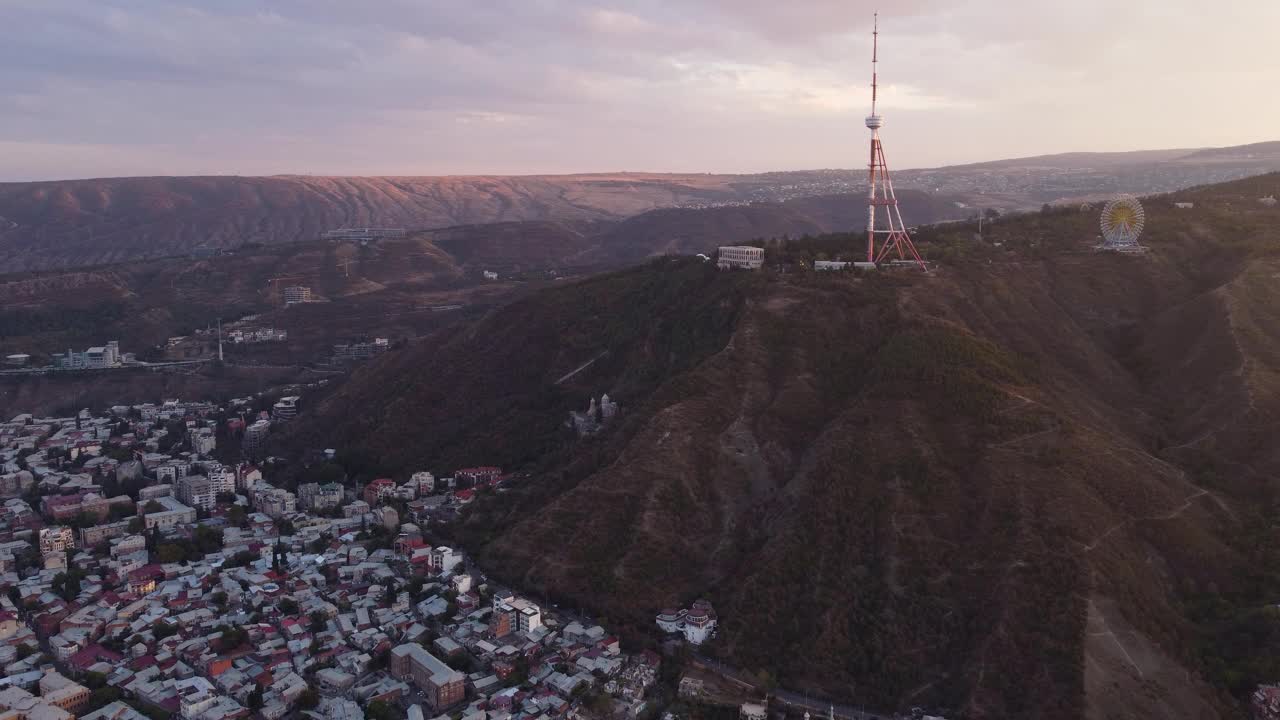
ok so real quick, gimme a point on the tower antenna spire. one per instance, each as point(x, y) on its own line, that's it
point(875, 58)
point(880, 184)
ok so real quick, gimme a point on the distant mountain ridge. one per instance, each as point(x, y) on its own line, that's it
point(73, 223)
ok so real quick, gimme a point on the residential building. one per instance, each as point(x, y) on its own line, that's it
point(222, 478)
point(56, 539)
point(442, 686)
point(91, 536)
point(197, 491)
point(18, 703)
point(478, 475)
point(740, 256)
point(379, 489)
point(697, 624)
point(297, 294)
point(424, 482)
point(285, 409)
point(274, 502)
point(171, 514)
point(255, 438)
point(314, 496)
point(530, 618)
point(95, 358)
point(63, 692)
point(203, 441)
point(444, 559)
point(247, 476)
point(117, 710)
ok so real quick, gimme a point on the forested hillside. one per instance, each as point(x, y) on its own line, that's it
point(1035, 483)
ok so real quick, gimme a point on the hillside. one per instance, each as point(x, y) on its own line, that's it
point(74, 223)
point(56, 224)
point(384, 288)
point(1037, 483)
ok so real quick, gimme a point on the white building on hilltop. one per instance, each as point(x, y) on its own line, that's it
point(297, 294)
point(740, 256)
point(697, 624)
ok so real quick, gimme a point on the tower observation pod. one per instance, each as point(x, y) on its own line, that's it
point(880, 193)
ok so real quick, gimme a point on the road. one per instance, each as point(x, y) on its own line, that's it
point(787, 698)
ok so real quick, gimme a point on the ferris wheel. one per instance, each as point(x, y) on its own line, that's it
point(1122, 221)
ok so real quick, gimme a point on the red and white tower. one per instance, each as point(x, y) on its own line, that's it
point(880, 185)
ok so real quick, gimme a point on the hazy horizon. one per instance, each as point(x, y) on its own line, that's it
point(394, 87)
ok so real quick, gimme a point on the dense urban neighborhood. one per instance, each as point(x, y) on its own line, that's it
point(150, 569)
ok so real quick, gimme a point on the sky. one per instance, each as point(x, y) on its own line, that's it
point(96, 88)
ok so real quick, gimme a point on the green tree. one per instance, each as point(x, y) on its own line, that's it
point(237, 516)
point(308, 699)
point(380, 710)
point(319, 622)
point(170, 553)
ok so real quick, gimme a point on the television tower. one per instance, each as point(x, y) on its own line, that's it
point(880, 184)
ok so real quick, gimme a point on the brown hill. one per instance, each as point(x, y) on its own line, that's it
point(74, 223)
point(77, 222)
point(690, 231)
point(1035, 484)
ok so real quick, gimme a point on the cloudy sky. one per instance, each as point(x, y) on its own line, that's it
point(425, 87)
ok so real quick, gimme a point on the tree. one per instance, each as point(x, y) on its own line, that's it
point(255, 698)
point(67, 585)
point(238, 516)
point(380, 710)
point(992, 213)
point(232, 637)
point(208, 539)
point(308, 699)
point(135, 525)
point(153, 506)
point(319, 622)
point(170, 553)
point(102, 697)
point(414, 587)
point(287, 606)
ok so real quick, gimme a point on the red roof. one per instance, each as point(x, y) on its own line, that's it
point(93, 654)
point(142, 663)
